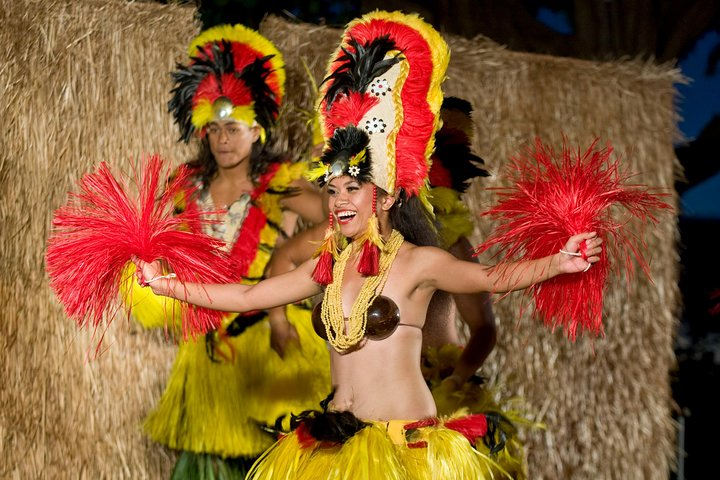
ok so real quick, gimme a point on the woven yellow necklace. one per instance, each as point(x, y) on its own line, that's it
point(333, 319)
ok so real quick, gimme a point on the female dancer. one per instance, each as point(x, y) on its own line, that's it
point(381, 421)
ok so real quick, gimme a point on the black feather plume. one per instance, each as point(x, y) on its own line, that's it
point(453, 152)
point(345, 143)
point(254, 75)
point(359, 65)
point(453, 149)
point(215, 59)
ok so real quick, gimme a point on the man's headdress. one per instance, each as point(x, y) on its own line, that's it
point(454, 165)
point(453, 162)
point(234, 73)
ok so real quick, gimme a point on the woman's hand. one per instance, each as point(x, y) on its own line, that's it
point(579, 253)
point(152, 275)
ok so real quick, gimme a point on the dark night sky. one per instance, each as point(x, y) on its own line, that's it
point(699, 102)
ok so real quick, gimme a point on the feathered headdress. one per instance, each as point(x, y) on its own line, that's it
point(454, 165)
point(379, 110)
point(453, 162)
point(234, 73)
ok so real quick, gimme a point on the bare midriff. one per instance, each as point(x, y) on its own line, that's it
point(381, 380)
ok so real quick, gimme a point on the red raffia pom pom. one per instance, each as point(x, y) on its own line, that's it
point(98, 231)
point(552, 199)
point(323, 271)
point(369, 259)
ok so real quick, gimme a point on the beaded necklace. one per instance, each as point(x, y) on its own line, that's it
point(332, 311)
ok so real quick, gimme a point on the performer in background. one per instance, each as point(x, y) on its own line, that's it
point(381, 421)
point(224, 388)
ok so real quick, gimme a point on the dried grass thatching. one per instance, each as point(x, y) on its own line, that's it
point(81, 82)
point(606, 403)
point(87, 81)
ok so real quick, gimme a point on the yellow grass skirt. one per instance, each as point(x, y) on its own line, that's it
point(216, 406)
point(503, 445)
point(381, 450)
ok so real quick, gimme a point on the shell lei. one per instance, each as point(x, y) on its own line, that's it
point(332, 310)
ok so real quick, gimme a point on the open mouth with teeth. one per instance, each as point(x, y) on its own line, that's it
point(344, 216)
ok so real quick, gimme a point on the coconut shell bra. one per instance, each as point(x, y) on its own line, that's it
point(383, 318)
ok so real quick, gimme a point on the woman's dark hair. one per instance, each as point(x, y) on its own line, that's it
point(409, 217)
point(261, 157)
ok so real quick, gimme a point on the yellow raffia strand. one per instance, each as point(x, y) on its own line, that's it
point(372, 233)
point(329, 244)
point(424, 196)
point(340, 338)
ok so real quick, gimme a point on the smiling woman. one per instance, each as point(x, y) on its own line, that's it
point(381, 404)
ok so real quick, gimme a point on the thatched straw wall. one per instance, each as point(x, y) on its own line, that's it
point(80, 82)
point(607, 403)
point(87, 81)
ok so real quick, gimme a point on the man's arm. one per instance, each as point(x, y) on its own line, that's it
point(476, 312)
point(286, 258)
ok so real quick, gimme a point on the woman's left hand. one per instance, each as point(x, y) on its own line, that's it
point(579, 253)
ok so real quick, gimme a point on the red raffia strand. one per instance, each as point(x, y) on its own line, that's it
point(100, 228)
point(322, 273)
point(369, 259)
point(552, 199)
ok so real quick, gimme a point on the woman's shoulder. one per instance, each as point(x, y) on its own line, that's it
point(421, 254)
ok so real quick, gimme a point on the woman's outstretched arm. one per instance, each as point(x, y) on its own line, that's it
point(442, 271)
point(281, 290)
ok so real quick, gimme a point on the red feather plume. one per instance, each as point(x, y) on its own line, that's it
point(101, 228)
point(322, 273)
point(552, 199)
point(471, 427)
point(348, 110)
